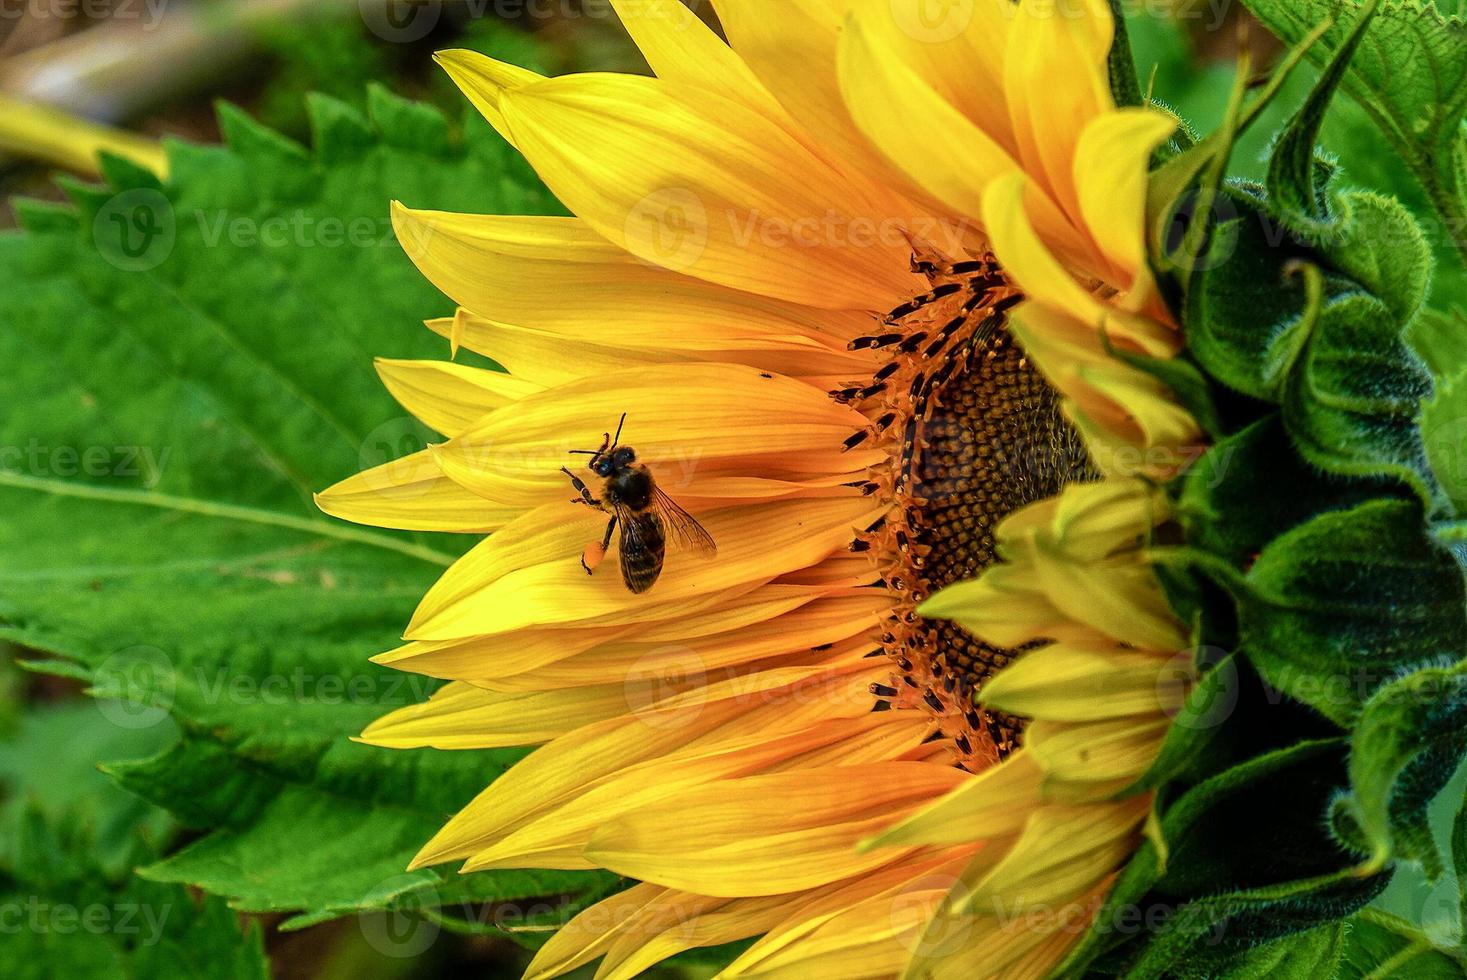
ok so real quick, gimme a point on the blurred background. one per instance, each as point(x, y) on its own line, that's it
point(157, 68)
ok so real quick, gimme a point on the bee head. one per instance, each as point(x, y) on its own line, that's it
point(603, 466)
point(623, 457)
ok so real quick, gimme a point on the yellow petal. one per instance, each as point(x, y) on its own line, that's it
point(698, 184)
point(1120, 598)
point(483, 656)
point(412, 494)
point(1124, 413)
point(1006, 606)
point(993, 803)
point(1064, 852)
point(557, 773)
point(680, 48)
point(593, 931)
point(836, 923)
point(992, 943)
point(1098, 520)
point(688, 423)
point(791, 46)
point(940, 149)
point(1111, 168)
point(461, 716)
point(821, 623)
point(450, 397)
point(679, 921)
point(560, 276)
point(557, 837)
point(1033, 267)
point(484, 80)
point(1096, 752)
point(531, 650)
point(551, 359)
point(1056, 74)
point(533, 577)
point(1073, 682)
point(765, 835)
point(957, 50)
point(947, 154)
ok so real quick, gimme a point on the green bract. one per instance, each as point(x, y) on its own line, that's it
point(1320, 542)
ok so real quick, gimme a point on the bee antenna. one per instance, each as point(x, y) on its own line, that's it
point(616, 441)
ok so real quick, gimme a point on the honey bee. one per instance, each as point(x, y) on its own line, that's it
point(646, 514)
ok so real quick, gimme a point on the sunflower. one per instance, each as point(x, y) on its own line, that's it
point(855, 278)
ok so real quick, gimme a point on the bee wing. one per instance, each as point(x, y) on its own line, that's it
point(685, 528)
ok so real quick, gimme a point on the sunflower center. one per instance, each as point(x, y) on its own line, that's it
point(975, 433)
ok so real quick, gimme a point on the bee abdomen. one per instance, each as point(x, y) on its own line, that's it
point(643, 550)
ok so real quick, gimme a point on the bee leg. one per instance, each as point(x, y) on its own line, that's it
point(584, 491)
point(595, 553)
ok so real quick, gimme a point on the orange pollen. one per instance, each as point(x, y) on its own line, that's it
point(973, 433)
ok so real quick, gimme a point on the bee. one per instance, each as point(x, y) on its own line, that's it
point(646, 514)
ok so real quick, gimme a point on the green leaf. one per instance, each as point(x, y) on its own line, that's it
point(1382, 947)
point(1246, 320)
point(1380, 245)
point(1440, 339)
point(66, 786)
point(1352, 402)
point(1302, 956)
point(1337, 607)
point(68, 841)
point(1221, 887)
point(1409, 74)
point(1295, 190)
point(1228, 502)
point(188, 362)
point(1122, 67)
point(1407, 744)
point(1459, 861)
point(1444, 435)
point(259, 815)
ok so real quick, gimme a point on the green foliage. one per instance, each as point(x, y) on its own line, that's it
point(1282, 323)
point(1294, 167)
point(326, 54)
point(1334, 608)
point(1321, 553)
point(1439, 338)
point(1302, 956)
point(1409, 74)
point(1381, 946)
point(1352, 403)
point(1221, 886)
point(1228, 502)
point(1247, 314)
point(1405, 748)
point(1380, 245)
point(195, 360)
point(1123, 83)
point(1444, 433)
point(68, 842)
